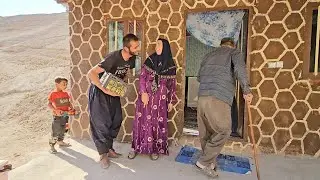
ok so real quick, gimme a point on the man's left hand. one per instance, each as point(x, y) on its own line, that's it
point(248, 98)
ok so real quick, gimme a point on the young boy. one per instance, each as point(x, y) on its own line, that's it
point(59, 103)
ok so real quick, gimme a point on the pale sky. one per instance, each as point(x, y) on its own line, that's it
point(18, 7)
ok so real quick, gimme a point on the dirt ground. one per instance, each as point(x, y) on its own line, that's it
point(33, 50)
point(79, 162)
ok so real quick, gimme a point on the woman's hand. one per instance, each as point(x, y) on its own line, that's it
point(170, 107)
point(145, 99)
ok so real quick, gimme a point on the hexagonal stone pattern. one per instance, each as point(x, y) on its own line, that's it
point(300, 110)
point(274, 50)
point(256, 78)
point(267, 127)
point(257, 134)
point(300, 50)
point(256, 60)
point(283, 119)
point(153, 20)
point(313, 121)
point(268, 89)
point(298, 130)
point(281, 138)
point(278, 12)
point(284, 80)
point(84, 124)
point(76, 74)
point(289, 60)
point(260, 23)
point(267, 108)
point(291, 40)
point(266, 145)
point(294, 21)
point(258, 42)
point(297, 71)
point(264, 6)
point(256, 117)
point(285, 100)
point(296, 5)
point(314, 100)
point(294, 148)
point(175, 19)
point(164, 11)
point(275, 31)
point(269, 73)
point(256, 97)
point(311, 143)
point(300, 90)
point(279, 90)
point(75, 57)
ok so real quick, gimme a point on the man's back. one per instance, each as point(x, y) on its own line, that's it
point(218, 72)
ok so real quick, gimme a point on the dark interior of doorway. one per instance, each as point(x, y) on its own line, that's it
point(190, 113)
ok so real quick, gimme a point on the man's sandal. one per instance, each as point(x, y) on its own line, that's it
point(113, 154)
point(104, 161)
point(212, 173)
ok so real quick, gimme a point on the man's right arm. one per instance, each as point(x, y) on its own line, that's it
point(94, 76)
point(95, 80)
point(240, 71)
point(241, 74)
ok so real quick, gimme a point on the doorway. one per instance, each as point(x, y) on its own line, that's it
point(195, 51)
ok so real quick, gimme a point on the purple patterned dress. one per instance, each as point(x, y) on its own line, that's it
point(150, 129)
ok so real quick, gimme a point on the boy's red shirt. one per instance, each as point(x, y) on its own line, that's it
point(60, 100)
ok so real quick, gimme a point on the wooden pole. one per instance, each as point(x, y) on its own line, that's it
point(316, 59)
point(254, 148)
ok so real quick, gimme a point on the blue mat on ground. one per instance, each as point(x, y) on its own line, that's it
point(229, 163)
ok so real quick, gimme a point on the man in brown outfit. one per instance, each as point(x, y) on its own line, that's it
point(217, 76)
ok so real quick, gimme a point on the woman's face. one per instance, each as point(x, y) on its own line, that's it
point(159, 47)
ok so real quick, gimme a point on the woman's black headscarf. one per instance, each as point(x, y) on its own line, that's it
point(163, 64)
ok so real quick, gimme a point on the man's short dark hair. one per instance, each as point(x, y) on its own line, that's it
point(128, 38)
point(227, 41)
point(60, 79)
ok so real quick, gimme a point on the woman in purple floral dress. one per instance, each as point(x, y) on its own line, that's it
point(157, 94)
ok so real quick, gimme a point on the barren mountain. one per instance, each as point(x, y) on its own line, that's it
point(33, 50)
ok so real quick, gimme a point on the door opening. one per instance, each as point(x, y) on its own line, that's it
point(195, 51)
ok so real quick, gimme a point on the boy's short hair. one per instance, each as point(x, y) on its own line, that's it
point(128, 38)
point(60, 79)
point(227, 40)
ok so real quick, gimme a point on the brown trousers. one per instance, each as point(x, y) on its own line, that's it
point(214, 123)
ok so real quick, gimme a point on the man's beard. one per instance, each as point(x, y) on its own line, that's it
point(132, 53)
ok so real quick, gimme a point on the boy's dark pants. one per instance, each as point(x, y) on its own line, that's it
point(58, 128)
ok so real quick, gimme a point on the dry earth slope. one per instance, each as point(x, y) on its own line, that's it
point(33, 50)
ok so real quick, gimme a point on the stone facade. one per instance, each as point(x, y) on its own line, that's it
point(286, 105)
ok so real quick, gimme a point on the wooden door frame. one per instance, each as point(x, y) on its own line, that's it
point(248, 59)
